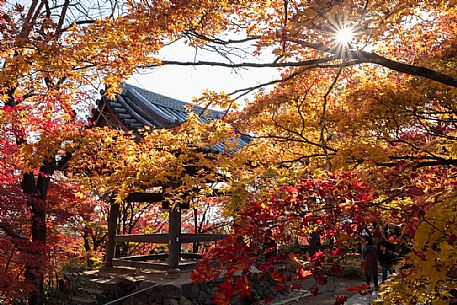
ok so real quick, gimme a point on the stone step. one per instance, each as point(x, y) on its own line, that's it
point(91, 290)
point(84, 300)
point(111, 288)
point(96, 293)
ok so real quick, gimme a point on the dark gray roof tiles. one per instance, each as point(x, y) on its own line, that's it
point(136, 107)
point(169, 103)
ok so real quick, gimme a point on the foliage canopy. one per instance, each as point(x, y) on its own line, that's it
point(351, 132)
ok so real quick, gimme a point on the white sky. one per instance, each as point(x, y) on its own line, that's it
point(186, 82)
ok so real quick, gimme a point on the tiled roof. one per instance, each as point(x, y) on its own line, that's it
point(136, 107)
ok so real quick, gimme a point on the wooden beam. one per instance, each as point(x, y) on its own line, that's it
point(140, 264)
point(192, 238)
point(151, 265)
point(182, 205)
point(112, 228)
point(162, 238)
point(145, 238)
point(158, 256)
point(191, 255)
point(145, 197)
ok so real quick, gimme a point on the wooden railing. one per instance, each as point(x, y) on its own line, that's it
point(185, 238)
point(174, 238)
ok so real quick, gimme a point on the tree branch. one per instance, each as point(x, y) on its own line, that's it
point(406, 68)
point(220, 41)
point(369, 57)
point(305, 63)
point(323, 139)
point(62, 16)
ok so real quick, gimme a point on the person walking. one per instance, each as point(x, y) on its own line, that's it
point(386, 258)
point(370, 260)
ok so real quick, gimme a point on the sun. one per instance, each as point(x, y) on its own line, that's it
point(344, 35)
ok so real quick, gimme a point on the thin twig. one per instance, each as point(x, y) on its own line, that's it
point(322, 119)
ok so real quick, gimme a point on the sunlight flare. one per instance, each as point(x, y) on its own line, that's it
point(344, 35)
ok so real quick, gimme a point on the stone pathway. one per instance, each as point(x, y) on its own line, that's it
point(335, 286)
point(358, 299)
point(328, 293)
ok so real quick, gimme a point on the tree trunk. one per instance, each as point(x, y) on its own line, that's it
point(37, 189)
point(35, 271)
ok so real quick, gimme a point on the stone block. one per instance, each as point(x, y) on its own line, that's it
point(170, 301)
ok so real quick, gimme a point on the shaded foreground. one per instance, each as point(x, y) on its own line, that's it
point(121, 284)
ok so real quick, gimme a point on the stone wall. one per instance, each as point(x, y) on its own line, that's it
point(157, 295)
point(149, 293)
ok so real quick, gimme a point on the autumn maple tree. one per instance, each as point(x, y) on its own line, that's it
point(53, 55)
point(360, 126)
point(381, 105)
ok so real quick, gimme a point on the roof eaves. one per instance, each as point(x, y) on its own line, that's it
point(163, 120)
point(132, 112)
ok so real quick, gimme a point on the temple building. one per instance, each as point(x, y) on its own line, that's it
point(131, 110)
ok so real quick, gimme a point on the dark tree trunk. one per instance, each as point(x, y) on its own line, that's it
point(34, 272)
point(196, 244)
point(37, 190)
point(86, 239)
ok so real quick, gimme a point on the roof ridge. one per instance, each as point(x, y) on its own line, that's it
point(160, 97)
point(163, 119)
point(173, 103)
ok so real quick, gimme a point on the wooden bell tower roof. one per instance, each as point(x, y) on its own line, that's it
point(134, 108)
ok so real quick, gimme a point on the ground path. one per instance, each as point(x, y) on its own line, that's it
point(327, 294)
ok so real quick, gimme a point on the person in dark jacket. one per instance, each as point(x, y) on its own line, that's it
point(386, 258)
point(370, 260)
point(404, 246)
point(269, 244)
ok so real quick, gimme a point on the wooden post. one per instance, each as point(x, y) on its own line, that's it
point(195, 244)
point(112, 228)
point(174, 242)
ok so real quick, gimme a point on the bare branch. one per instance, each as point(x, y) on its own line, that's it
point(62, 15)
point(305, 63)
point(323, 140)
point(220, 41)
point(369, 57)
